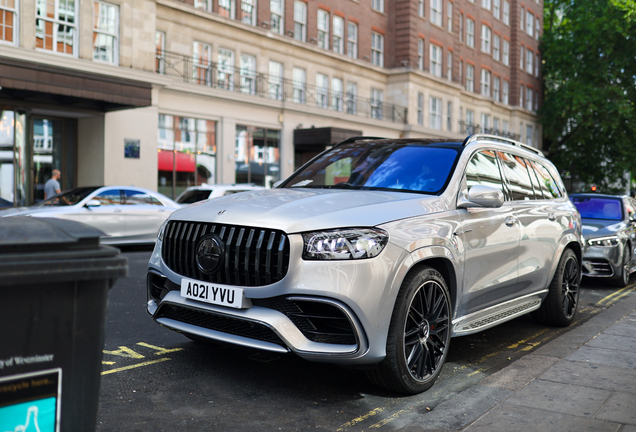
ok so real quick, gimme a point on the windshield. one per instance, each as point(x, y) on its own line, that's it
point(599, 208)
point(193, 196)
point(408, 167)
point(69, 197)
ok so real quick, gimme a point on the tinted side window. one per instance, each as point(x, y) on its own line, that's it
point(483, 170)
point(541, 189)
point(109, 197)
point(518, 177)
point(547, 181)
point(140, 198)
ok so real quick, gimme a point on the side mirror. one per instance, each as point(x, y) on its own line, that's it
point(93, 203)
point(482, 196)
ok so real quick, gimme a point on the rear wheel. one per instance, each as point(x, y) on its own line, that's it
point(623, 279)
point(559, 307)
point(419, 335)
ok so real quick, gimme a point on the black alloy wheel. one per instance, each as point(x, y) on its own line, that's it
point(560, 305)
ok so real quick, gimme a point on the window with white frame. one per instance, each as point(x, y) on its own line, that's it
point(202, 63)
point(352, 98)
point(322, 90)
point(505, 126)
point(420, 54)
point(436, 12)
point(521, 95)
point(323, 29)
point(420, 109)
point(470, 33)
point(536, 100)
point(338, 34)
point(227, 8)
point(299, 85)
point(536, 65)
point(530, 135)
point(275, 80)
point(522, 14)
point(449, 116)
point(486, 36)
point(506, 12)
point(496, 88)
point(436, 60)
point(352, 40)
point(461, 72)
point(248, 12)
point(530, 23)
point(378, 5)
point(461, 27)
point(495, 123)
point(435, 113)
point(470, 120)
point(449, 65)
point(485, 122)
point(420, 8)
point(248, 74)
point(449, 16)
point(300, 21)
point(276, 20)
point(529, 104)
point(496, 47)
point(485, 82)
point(485, 4)
point(225, 72)
point(529, 61)
point(496, 9)
point(377, 49)
point(521, 51)
point(537, 27)
point(160, 48)
point(470, 78)
point(505, 93)
point(106, 32)
point(377, 99)
point(9, 20)
point(506, 53)
point(337, 94)
point(56, 26)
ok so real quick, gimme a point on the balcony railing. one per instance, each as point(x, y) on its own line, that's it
point(469, 129)
point(247, 81)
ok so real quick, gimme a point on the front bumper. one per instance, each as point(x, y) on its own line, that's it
point(602, 262)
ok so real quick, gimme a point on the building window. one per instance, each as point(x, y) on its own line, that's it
point(449, 116)
point(470, 33)
point(352, 98)
point(496, 47)
point(201, 63)
point(449, 65)
point(436, 60)
point(338, 34)
point(276, 9)
point(529, 135)
point(522, 13)
point(521, 95)
point(299, 85)
point(322, 91)
point(377, 99)
point(496, 84)
point(521, 51)
point(536, 65)
point(336, 94)
point(352, 40)
point(529, 99)
point(257, 155)
point(529, 24)
point(420, 8)
point(420, 109)
point(461, 28)
point(470, 78)
point(495, 123)
point(56, 26)
point(449, 16)
point(461, 72)
point(536, 100)
point(505, 93)
point(323, 29)
point(300, 21)
point(485, 82)
point(227, 8)
point(506, 12)
point(470, 121)
point(106, 32)
point(420, 54)
point(529, 62)
point(485, 4)
point(248, 12)
point(537, 27)
point(9, 21)
point(225, 73)
point(275, 80)
point(160, 47)
point(377, 49)
point(205, 5)
point(248, 74)
point(506, 53)
point(485, 122)
point(436, 12)
point(378, 5)
point(486, 35)
point(496, 9)
point(505, 126)
point(435, 113)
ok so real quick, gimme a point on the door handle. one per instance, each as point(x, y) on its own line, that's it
point(511, 220)
point(552, 217)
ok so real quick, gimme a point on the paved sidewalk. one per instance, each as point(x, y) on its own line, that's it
point(585, 380)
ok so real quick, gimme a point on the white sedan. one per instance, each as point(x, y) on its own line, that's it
point(126, 214)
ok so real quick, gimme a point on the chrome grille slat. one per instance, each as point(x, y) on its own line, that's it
point(253, 256)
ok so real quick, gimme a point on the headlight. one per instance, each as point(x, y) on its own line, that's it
point(344, 244)
point(604, 241)
point(162, 229)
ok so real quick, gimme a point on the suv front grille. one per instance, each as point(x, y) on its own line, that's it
point(253, 256)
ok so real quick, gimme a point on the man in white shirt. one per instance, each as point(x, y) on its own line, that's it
point(52, 186)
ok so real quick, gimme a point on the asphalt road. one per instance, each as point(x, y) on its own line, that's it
point(154, 379)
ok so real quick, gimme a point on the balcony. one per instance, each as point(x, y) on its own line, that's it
point(469, 129)
point(249, 82)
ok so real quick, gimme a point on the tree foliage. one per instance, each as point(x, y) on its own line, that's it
point(589, 109)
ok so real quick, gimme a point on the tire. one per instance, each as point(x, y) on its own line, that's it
point(623, 279)
point(419, 335)
point(560, 305)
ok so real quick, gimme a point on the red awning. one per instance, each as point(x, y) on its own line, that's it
point(185, 161)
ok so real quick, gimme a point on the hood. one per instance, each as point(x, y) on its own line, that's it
point(34, 211)
point(298, 210)
point(593, 228)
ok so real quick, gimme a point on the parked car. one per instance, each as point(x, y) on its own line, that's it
point(374, 254)
point(610, 233)
point(206, 191)
point(126, 214)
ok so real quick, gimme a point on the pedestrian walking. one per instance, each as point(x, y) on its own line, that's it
point(52, 186)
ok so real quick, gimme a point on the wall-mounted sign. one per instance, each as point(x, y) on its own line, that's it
point(131, 148)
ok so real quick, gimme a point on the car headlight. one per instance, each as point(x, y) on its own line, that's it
point(162, 229)
point(603, 241)
point(344, 244)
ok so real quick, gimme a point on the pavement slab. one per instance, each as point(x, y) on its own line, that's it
point(602, 356)
point(619, 408)
point(592, 375)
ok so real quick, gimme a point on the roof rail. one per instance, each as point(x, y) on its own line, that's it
point(356, 138)
point(503, 140)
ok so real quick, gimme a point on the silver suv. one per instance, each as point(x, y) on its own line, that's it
point(375, 254)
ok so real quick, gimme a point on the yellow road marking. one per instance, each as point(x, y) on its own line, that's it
point(620, 291)
point(125, 352)
point(389, 419)
point(148, 363)
point(107, 362)
point(516, 345)
point(160, 351)
point(360, 419)
point(620, 296)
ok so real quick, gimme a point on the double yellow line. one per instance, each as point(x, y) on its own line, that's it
point(616, 296)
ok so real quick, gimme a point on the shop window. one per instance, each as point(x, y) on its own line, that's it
point(257, 155)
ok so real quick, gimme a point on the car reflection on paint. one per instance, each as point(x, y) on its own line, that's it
point(126, 214)
point(610, 232)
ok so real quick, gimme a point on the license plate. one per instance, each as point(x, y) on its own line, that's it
point(209, 293)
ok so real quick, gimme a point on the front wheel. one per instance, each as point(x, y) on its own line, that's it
point(623, 279)
point(419, 335)
point(559, 307)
